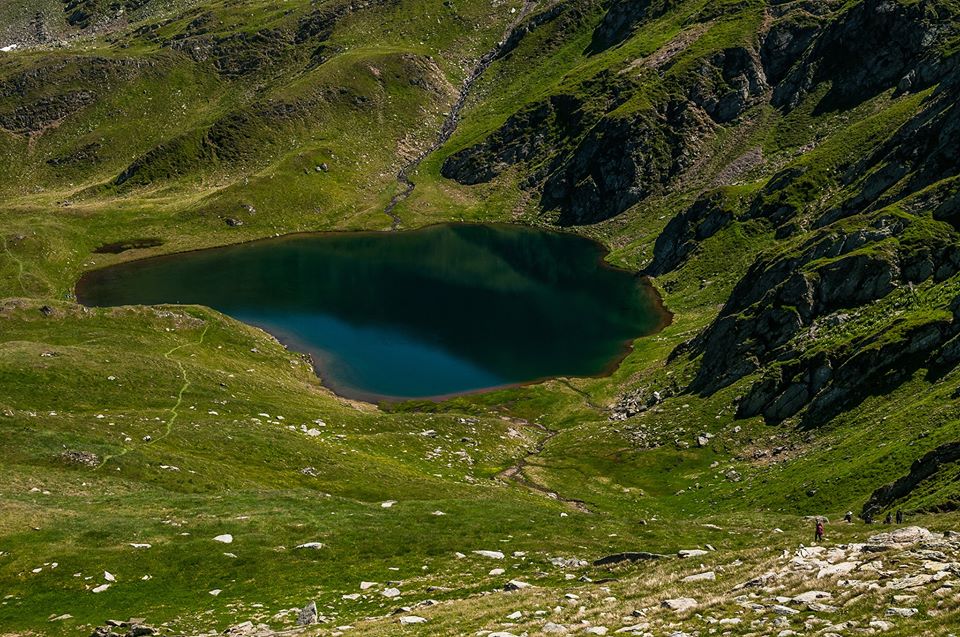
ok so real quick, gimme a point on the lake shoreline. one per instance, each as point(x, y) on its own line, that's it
point(664, 317)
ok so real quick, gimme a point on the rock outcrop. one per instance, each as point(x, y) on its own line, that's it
point(922, 469)
point(865, 49)
point(622, 18)
point(709, 214)
point(784, 300)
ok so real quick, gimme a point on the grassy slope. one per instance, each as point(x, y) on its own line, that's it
point(239, 472)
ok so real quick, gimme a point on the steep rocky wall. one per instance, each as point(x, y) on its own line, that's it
point(921, 470)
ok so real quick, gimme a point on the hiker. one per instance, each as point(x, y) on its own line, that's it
point(818, 534)
point(888, 519)
point(848, 518)
point(899, 516)
point(868, 518)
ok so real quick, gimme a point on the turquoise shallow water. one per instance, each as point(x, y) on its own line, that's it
point(444, 310)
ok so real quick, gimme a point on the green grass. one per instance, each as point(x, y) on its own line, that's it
point(198, 383)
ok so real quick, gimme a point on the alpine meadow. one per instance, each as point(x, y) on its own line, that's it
point(493, 318)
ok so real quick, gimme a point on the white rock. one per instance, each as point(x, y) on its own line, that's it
point(387, 504)
point(515, 615)
point(101, 588)
point(390, 592)
point(226, 538)
point(679, 604)
point(515, 585)
point(685, 553)
point(597, 630)
point(367, 585)
point(701, 577)
point(553, 628)
point(494, 555)
point(811, 596)
point(310, 545)
point(412, 619)
point(215, 592)
point(107, 575)
point(497, 571)
point(901, 612)
point(902, 537)
point(881, 625)
point(910, 582)
point(140, 546)
point(833, 570)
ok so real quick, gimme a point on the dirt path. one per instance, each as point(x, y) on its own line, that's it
point(20, 267)
point(587, 398)
point(516, 473)
point(175, 409)
point(452, 120)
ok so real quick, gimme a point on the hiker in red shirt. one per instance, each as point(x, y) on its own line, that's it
point(819, 532)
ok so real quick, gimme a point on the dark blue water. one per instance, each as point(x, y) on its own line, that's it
point(444, 310)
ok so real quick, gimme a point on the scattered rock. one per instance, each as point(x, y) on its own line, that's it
point(901, 612)
point(900, 538)
point(633, 556)
point(83, 458)
point(564, 562)
point(412, 619)
point(811, 596)
point(308, 615)
point(679, 604)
